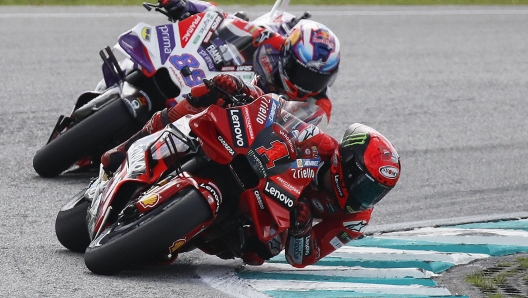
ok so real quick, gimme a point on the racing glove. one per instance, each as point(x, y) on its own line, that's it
point(204, 96)
point(177, 9)
point(182, 9)
point(301, 219)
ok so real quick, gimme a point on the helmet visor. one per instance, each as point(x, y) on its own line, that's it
point(363, 190)
point(304, 78)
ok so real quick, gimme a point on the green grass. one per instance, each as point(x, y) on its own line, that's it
point(270, 2)
point(503, 274)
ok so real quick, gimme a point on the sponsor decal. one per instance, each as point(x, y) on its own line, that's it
point(317, 64)
point(258, 164)
point(354, 139)
point(296, 248)
point(226, 145)
point(214, 191)
point(216, 22)
point(238, 130)
point(317, 205)
point(228, 68)
point(259, 199)
point(208, 61)
point(337, 184)
point(275, 245)
point(303, 173)
point(288, 186)
point(278, 194)
point(214, 53)
point(323, 37)
point(356, 226)
point(308, 133)
point(208, 37)
point(265, 63)
point(344, 237)
point(307, 246)
point(288, 140)
point(311, 163)
point(336, 243)
point(137, 103)
point(278, 150)
point(145, 33)
point(263, 110)
point(205, 25)
point(176, 245)
point(330, 207)
point(389, 172)
point(149, 201)
point(248, 123)
point(166, 41)
point(272, 112)
point(186, 33)
point(266, 34)
point(244, 68)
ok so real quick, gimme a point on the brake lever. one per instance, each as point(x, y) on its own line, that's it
point(212, 86)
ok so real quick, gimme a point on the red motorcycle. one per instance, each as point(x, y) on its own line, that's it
point(208, 181)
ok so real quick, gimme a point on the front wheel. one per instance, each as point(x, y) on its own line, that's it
point(126, 244)
point(84, 139)
point(70, 226)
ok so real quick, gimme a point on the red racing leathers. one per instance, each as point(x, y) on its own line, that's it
point(304, 242)
point(322, 226)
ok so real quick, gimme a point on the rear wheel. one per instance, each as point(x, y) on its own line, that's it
point(70, 226)
point(84, 138)
point(126, 244)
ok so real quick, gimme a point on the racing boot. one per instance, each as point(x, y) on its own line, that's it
point(113, 158)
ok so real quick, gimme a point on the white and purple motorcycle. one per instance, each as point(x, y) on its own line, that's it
point(160, 64)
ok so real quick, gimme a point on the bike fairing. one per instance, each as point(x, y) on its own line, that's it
point(268, 161)
point(260, 47)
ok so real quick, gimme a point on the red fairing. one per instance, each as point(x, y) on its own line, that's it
point(214, 128)
point(187, 28)
point(271, 202)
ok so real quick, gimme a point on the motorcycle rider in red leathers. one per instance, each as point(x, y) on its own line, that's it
point(335, 208)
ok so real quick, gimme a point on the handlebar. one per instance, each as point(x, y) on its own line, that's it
point(231, 99)
point(157, 7)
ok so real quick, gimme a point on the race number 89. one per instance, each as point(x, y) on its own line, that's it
point(186, 60)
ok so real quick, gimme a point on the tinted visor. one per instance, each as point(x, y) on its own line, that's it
point(363, 191)
point(305, 79)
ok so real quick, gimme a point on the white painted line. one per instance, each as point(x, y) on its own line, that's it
point(342, 271)
point(291, 285)
point(466, 236)
point(388, 254)
point(374, 229)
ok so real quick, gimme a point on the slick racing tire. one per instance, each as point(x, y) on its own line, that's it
point(126, 244)
point(83, 139)
point(71, 227)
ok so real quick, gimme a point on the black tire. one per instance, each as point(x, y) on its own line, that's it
point(122, 246)
point(82, 139)
point(70, 225)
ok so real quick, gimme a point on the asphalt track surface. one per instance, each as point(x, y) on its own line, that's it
point(447, 85)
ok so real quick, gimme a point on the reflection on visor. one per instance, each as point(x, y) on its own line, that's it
point(304, 78)
point(365, 193)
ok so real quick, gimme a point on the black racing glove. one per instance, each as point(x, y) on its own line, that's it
point(177, 9)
